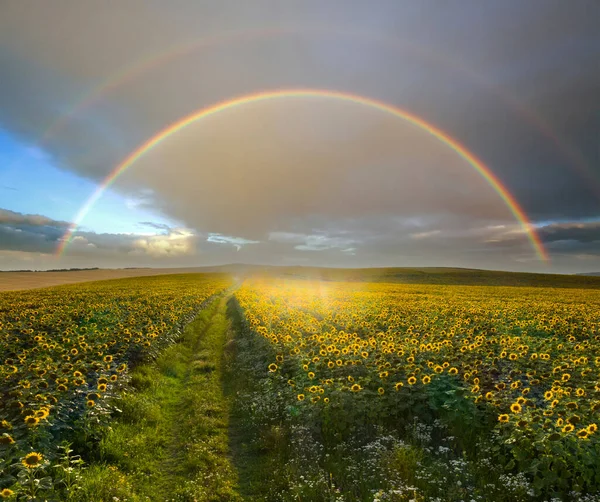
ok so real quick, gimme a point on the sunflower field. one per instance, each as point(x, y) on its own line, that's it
point(511, 375)
point(65, 350)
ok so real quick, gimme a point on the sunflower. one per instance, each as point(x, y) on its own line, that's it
point(568, 428)
point(426, 379)
point(381, 391)
point(503, 418)
point(452, 371)
point(583, 434)
point(515, 408)
point(32, 460)
point(548, 395)
point(32, 420)
point(398, 386)
point(356, 388)
point(300, 397)
point(90, 403)
point(6, 493)
point(42, 413)
point(6, 439)
point(580, 392)
point(592, 428)
point(272, 368)
point(102, 387)
point(412, 380)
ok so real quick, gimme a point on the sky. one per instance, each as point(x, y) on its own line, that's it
point(307, 179)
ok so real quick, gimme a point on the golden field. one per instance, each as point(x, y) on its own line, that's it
point(520, 365)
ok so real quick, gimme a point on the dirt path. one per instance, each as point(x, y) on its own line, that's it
point(171, 441)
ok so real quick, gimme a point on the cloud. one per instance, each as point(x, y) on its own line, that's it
point(19, 220)
point(36, 234)
point(157, 226)
point(425, 235)
point(29, 232)
point(237, 242)
point(581, 231)
point(174, 244)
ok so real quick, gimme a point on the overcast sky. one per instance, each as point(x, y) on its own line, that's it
point(303, 180)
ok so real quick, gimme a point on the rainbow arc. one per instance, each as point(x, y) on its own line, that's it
point(479, 167)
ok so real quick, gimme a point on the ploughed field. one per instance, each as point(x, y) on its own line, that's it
point(323, 390)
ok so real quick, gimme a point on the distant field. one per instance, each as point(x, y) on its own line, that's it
point(13, 281)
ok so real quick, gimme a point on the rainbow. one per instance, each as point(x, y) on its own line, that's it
point(168, 131)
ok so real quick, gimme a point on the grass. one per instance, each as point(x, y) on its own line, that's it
point(171, 440)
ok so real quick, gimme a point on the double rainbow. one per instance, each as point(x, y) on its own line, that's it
point(162, 135)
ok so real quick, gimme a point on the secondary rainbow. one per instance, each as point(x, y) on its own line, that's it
point(154, 60)
point(165, 133)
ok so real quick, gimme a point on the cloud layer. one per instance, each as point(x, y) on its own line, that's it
point(310, 180)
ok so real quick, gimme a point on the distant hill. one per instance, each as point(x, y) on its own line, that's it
point(424, 275)
point(592, 274)
point(432, 275)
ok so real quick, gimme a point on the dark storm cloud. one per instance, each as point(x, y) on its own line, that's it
point(515, 82)
point(581, 231)
point(19, 220)
point(39, 234)
point(29, 232)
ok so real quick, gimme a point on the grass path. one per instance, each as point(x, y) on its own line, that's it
point(171, 441)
